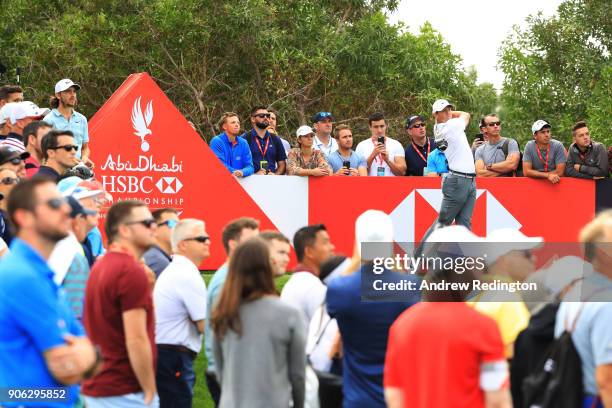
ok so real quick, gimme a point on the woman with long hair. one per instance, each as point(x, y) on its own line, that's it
point(259, 341)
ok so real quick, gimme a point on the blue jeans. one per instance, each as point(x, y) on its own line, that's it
point(135, 400)
point(459, 197)
point(175, 378)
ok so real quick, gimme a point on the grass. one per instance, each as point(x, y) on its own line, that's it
point(202, 398)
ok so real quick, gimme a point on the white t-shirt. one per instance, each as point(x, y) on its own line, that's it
point(458, 153)
point(324, 330)
point(180, 300)
point(394, 149)
point(305, 292)
point(328, 149)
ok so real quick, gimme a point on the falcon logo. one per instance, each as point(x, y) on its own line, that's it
point(141, 123)
point(169, 185)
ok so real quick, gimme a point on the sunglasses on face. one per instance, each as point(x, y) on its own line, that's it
point(201, 239)
point(262, 115)
point(67, 148)
point(148, 223)
point(498, 123)
point(56, 203)
point(169, 223)
point(7, 181)
point(418, 126)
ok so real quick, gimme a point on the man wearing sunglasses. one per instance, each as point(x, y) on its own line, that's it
point(8, 180)
point(323, 123)
point(13, 159)
point(59, 154)
point(41, 342)
point(180, 310)
point(158, 257)
point(118, 314)
point(419, 147)
point(499, 156)
point(267, 149)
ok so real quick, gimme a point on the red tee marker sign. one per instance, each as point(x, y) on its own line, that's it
point(145, 150)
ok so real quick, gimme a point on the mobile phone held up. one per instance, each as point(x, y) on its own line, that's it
point(381, 139)
point(346, 164)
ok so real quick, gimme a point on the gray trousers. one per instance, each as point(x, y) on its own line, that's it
point(458, 203)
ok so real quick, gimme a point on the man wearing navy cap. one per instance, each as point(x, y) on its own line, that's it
point(419, 147)
point(323, 124)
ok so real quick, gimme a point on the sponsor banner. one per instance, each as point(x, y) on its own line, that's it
point(536, 207)
point(144, 149)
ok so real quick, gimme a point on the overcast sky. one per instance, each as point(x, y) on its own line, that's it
point(475, 29)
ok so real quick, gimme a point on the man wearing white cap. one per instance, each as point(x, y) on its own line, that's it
point(458, 185)
point(544, 157)
point(18, 116)
point(364, 326)
point(64, 117)
point(509, 258)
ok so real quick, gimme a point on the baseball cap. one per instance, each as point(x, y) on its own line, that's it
point(304, 130)
point(505, 240)
point(322, 115)
point(412, 120)
point(64, 84)
point(439, 105)
point(5, 111)
point(26, 109)
point(8, 152)
point(539, 125)
point(455, 240)
point(95, 185)
point(76, 208)
point(374, 227)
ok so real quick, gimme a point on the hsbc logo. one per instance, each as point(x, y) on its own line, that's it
point(169, 185)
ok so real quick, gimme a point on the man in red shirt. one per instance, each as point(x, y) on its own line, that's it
point(119, 315)
point(442, 353)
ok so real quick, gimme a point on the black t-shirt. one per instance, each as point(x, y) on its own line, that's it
point(48, 172)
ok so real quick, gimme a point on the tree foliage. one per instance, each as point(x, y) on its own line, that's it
point(558, 69)
point(297, 56)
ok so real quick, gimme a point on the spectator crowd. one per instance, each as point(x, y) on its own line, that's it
point(121, 323)
point(323, 150)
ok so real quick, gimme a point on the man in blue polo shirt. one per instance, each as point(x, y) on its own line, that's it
point(436, 164)
point(419, 147)
point(345, 155)
point(267, 149)
point(41, 343)
point(64, 117)
point(233, 151)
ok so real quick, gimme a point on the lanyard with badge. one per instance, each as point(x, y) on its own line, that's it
point(263, 163)
point(418, 151)
point(545, 163)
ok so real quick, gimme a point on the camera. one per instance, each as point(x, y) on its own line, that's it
point(80, 171)
point(441, 144)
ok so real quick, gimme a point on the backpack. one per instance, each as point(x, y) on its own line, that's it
point(519, 168)
point(557, 380)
